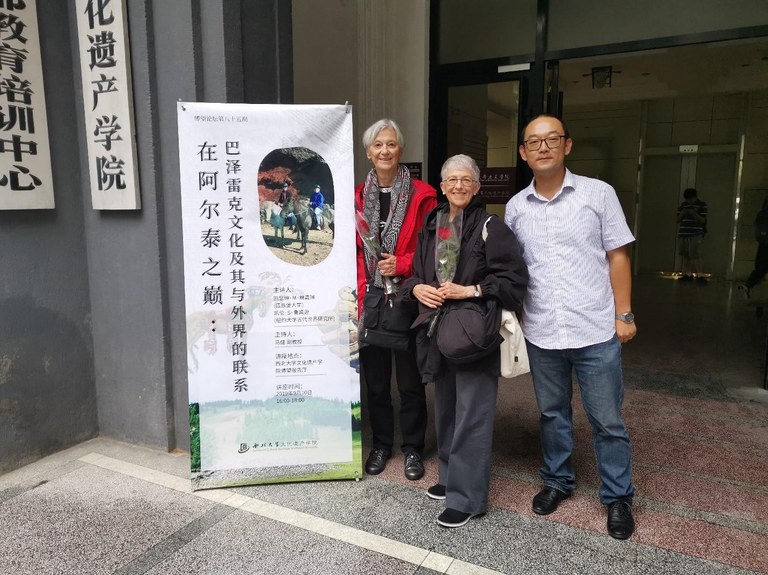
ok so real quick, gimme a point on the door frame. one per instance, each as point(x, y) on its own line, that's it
point(489, 72)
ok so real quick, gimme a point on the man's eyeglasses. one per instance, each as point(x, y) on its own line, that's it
point(453, 182)
point(533, 144)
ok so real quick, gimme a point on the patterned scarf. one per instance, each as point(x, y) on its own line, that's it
point(400, 198)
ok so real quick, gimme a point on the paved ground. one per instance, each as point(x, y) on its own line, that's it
point(700, 435)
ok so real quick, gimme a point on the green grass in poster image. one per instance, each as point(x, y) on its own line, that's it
point(342, 470)
point(194, 437)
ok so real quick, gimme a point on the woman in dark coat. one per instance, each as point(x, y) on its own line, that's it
point(465, 395)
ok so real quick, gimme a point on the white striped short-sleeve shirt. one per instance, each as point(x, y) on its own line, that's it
point(569, 303)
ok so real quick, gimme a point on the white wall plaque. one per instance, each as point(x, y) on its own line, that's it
point(108, 103)
point(26, 181)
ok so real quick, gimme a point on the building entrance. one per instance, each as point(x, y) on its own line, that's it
point(664, 179)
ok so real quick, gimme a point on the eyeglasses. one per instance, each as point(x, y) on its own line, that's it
point(534, 144)
point(453, 182)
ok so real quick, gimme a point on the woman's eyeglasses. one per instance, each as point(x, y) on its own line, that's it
point(453, 182)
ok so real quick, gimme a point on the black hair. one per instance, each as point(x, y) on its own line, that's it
point(689, 193)
point(528, 123)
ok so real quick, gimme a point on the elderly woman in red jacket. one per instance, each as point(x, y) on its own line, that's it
point(394, 205)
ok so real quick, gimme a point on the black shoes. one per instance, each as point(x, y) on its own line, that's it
point(414, 466)
point(547, 500)
point(621, 524)
point(377, 461)
point(437, 491)
point(454, 518)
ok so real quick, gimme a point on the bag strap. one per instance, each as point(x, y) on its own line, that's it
point(485, 228)
point(479, 234)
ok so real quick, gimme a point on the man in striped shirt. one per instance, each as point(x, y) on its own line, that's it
point(576, 314)
point(691, 227)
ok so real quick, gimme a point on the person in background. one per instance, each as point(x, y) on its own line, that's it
point(761, 257)
point(691, 229)
point(316, 203)
point(285, 196)
point(576, 316)
point(465, 394)
point(395, 205)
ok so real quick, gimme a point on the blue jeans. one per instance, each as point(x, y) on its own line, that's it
point(598, 370)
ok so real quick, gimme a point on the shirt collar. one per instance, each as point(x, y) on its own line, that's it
point(569, 184)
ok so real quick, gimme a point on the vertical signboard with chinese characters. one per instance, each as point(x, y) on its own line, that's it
point(105, 69)
point(25, 160)
point(269, 274)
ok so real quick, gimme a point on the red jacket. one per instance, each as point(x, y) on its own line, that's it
point(423, 200)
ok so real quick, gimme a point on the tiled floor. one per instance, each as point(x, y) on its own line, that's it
point(698, 420)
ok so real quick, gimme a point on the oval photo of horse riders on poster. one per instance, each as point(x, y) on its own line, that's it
point(296, 205)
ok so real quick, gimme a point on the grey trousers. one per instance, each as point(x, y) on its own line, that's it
point(465, 404)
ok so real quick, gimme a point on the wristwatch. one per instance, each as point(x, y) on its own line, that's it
point(626, 317)
point(476, 293)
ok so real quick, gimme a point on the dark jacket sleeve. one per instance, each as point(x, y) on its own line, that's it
point(506, 275)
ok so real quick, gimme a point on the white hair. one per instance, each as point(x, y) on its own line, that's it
point(373, 130)
point(460, 162)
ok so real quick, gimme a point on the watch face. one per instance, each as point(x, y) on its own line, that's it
point(628, 317)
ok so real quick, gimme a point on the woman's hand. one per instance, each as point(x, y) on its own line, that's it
point(450, 290)
point(388, 265)
point(428, 295)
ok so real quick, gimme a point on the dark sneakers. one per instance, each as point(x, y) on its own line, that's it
point(377, 461)
point(414, 466)
point(547, 500)
point(437, 491)
point(454, 518)
point(621, 524)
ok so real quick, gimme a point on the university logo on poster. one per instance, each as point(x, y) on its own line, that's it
point(270, 276)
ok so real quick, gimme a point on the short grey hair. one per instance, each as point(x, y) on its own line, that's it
point(460, 162)
point(373, 130)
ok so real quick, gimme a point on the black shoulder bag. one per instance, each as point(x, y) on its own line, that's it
point(386, 322)
point(469, 329)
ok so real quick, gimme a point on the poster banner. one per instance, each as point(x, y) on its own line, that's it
point(269, 271)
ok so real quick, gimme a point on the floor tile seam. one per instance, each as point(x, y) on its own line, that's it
point(744, 446)
point(532, 479)
point(174, 542)
point(742, 419)
point(703, 476)
point(712, 517)
point(704, 417)
point(324, 527)
point(757, 420)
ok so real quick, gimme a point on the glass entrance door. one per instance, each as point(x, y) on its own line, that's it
point(482, 123)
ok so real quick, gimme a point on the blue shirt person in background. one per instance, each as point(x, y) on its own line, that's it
point(576, 314)
point(316, 202)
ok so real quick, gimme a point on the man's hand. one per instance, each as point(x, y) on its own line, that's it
point(625, 331)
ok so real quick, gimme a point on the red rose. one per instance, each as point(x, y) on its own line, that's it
point(444, 233)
